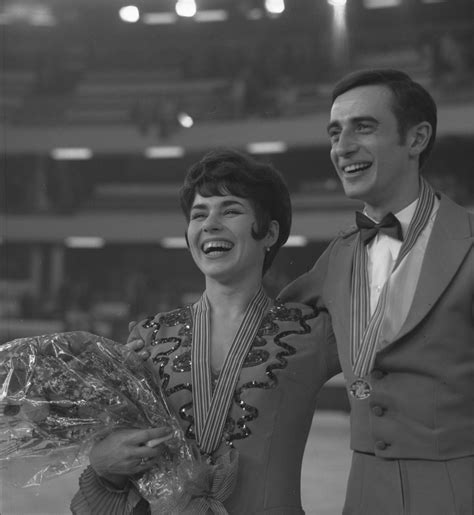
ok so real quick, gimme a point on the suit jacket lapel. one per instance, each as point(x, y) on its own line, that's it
point(449, 243)
point(339, 286)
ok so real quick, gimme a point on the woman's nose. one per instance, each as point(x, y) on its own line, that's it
point(212, 223)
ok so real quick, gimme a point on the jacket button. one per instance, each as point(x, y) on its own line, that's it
point(378, 411)
point(381, 445)
point(377, 374)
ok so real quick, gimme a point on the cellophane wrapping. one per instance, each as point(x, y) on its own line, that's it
point(59, 393)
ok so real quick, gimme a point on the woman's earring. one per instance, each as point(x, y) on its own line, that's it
point(268, 249)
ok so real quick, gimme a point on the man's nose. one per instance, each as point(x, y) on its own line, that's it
point(346, 144)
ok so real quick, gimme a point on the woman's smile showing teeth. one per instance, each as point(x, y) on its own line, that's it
point(356, 167)
point(216, 247)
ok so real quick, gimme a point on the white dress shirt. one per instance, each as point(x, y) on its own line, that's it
point(382, 252)
point(382, 255)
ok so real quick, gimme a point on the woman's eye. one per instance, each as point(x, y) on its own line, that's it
point(232, 212)
point(197, 216)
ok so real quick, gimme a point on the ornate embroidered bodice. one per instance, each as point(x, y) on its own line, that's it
point(291, 356)
point(172, 354)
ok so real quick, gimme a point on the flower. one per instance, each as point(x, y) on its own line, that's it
point(59, 393)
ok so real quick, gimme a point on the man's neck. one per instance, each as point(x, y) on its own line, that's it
point(377, 212)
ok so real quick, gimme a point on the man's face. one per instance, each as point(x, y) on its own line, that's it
point(370, 158)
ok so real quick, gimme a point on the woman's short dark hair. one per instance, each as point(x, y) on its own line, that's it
point(233, 172)
point(412, 104)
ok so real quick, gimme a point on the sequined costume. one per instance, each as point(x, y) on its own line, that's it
point(271, 412)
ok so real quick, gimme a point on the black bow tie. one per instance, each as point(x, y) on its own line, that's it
point(389, 225)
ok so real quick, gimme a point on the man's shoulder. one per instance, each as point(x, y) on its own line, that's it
point(346, 232)
point(345, 235)
point(452, 214)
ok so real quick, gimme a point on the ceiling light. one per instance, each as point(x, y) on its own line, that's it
point(84, 242)
point(129, 14)
point(185, 120)
point(186, 8)
point(71, 153)
point(164, 152)
point(267, 147)
point(296, 241)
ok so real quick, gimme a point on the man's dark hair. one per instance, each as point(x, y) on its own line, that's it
point(232, 172)
point(412, 104)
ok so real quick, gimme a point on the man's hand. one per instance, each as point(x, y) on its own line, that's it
point(135, 342)
point(138, 346)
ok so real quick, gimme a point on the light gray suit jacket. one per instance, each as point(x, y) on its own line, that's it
point(422, 403)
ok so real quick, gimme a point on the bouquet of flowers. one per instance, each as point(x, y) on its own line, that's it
point(59, 393)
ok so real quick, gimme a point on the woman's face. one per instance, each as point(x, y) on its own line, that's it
point(220, 238)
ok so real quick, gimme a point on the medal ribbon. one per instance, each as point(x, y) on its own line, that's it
point(365, 329)
point(210, 410)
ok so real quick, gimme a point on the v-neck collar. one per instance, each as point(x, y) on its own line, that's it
point(211, 408)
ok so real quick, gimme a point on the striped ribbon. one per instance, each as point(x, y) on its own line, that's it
point(366, 329)
point(210, 410)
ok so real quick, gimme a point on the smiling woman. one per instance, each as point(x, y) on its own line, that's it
point(241, 370)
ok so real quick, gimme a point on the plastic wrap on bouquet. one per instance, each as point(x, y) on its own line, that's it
point(59, 393)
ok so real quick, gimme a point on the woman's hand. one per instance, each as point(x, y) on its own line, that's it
point(127, 452)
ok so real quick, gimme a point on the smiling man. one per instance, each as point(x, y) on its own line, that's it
point(399, 288)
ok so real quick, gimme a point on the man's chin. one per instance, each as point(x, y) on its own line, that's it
point(353, 192)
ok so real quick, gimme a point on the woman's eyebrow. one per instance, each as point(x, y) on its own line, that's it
point(227, 203)
point(224, 203)
point(198, 206)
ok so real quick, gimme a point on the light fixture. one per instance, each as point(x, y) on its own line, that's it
point(164, 152)
point(173, 242)
point(275, 6)
point(185, 8)
point(296, 241)
point(185, 120)
point(71, 153)
point(84, 242)
point(159, 18)
point(212, 15)
point(129, 14)
point(381, 4)
point(267, 147)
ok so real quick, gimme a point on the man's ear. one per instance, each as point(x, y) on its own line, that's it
point(272, 235)
point(418, 137)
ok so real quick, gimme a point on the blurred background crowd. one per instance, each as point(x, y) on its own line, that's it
point(105, 105)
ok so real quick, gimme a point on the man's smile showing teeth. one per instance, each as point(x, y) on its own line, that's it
point(217, 246)
point(356, 167)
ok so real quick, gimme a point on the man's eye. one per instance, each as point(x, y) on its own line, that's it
point(232, 212)
point(197, 216)
point(334, 136)
point(364, 127)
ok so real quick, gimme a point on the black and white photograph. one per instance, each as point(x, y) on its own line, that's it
point(236, 257)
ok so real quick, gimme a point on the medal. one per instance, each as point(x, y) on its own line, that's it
point(360, 389)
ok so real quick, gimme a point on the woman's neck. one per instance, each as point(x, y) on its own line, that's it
point(230, 301)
